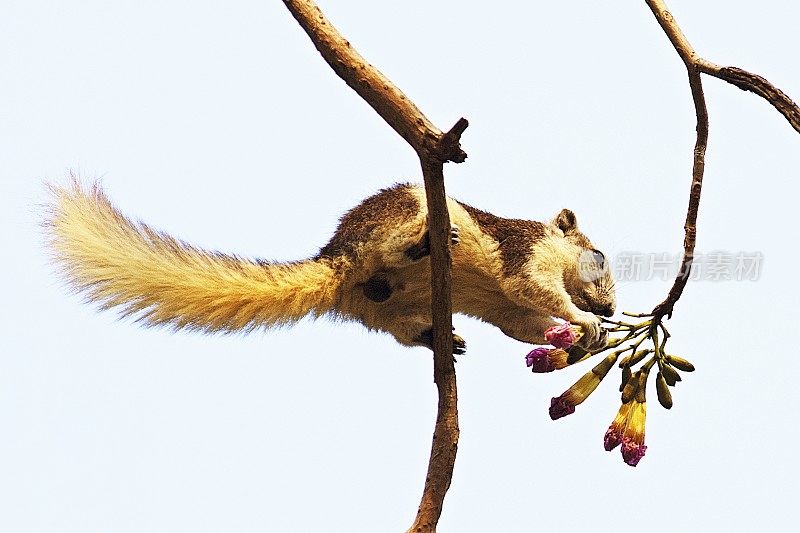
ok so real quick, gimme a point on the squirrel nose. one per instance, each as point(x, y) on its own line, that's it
point(603, 310)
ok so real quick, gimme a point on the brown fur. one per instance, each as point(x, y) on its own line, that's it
point(515, 274)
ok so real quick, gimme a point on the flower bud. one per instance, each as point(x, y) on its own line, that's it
point(641, 385)
point(635, 358)
point(576, 353)
point(662, 389)
point(626, 376)
point(629, 390)
point(602, 368)
point(670, 375)
point(680, 363)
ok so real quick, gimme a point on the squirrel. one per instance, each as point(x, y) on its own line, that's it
point(515, 274)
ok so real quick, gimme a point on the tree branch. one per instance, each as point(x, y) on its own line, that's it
point(446, 432)
point(434, 148)
point(376, 89)
point(690, 226)
point(746, 81)
point(736, 76)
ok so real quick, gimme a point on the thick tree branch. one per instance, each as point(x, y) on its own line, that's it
point(446, 432)
point(370, 84)
point(434, 148)
point(736, 76)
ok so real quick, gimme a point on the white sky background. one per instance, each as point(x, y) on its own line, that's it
point(219, 123)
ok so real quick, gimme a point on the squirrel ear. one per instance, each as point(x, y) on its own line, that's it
point(566, 221)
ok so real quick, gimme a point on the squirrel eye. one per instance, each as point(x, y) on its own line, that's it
point(599, 258)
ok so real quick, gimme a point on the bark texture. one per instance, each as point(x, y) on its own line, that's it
point(434, 148)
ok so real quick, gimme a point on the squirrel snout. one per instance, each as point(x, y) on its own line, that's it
point(603, 310)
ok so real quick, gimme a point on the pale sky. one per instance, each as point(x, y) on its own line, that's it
point(219, 123)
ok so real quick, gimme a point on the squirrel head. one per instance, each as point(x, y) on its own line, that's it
point(590, 283)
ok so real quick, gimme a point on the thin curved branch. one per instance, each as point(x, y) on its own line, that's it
point(746, 81)
point(690, 226)
point(740, 78)
point(434, 148)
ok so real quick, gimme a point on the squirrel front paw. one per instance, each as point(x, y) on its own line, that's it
point(593, 336)
point(459, 344)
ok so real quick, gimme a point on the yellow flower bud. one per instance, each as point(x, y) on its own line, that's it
point(680, 363)
point(662, 389)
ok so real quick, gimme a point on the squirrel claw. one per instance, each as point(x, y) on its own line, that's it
point(455, 235)
point(459, 344)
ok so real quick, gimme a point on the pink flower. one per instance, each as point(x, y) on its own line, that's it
point(536, 357)
point(611, 439)
point(543, 359)
point(561, 335)
point(632, 452)
point(560, 407)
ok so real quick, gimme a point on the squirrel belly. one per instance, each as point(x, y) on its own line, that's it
point(514, 274)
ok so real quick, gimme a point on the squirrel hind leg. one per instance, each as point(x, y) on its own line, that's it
point(426, 339)
point(409, 328)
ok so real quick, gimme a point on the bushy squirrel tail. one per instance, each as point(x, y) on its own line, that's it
point(161, 280)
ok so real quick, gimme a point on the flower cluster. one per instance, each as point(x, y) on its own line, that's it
point(628, 427)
